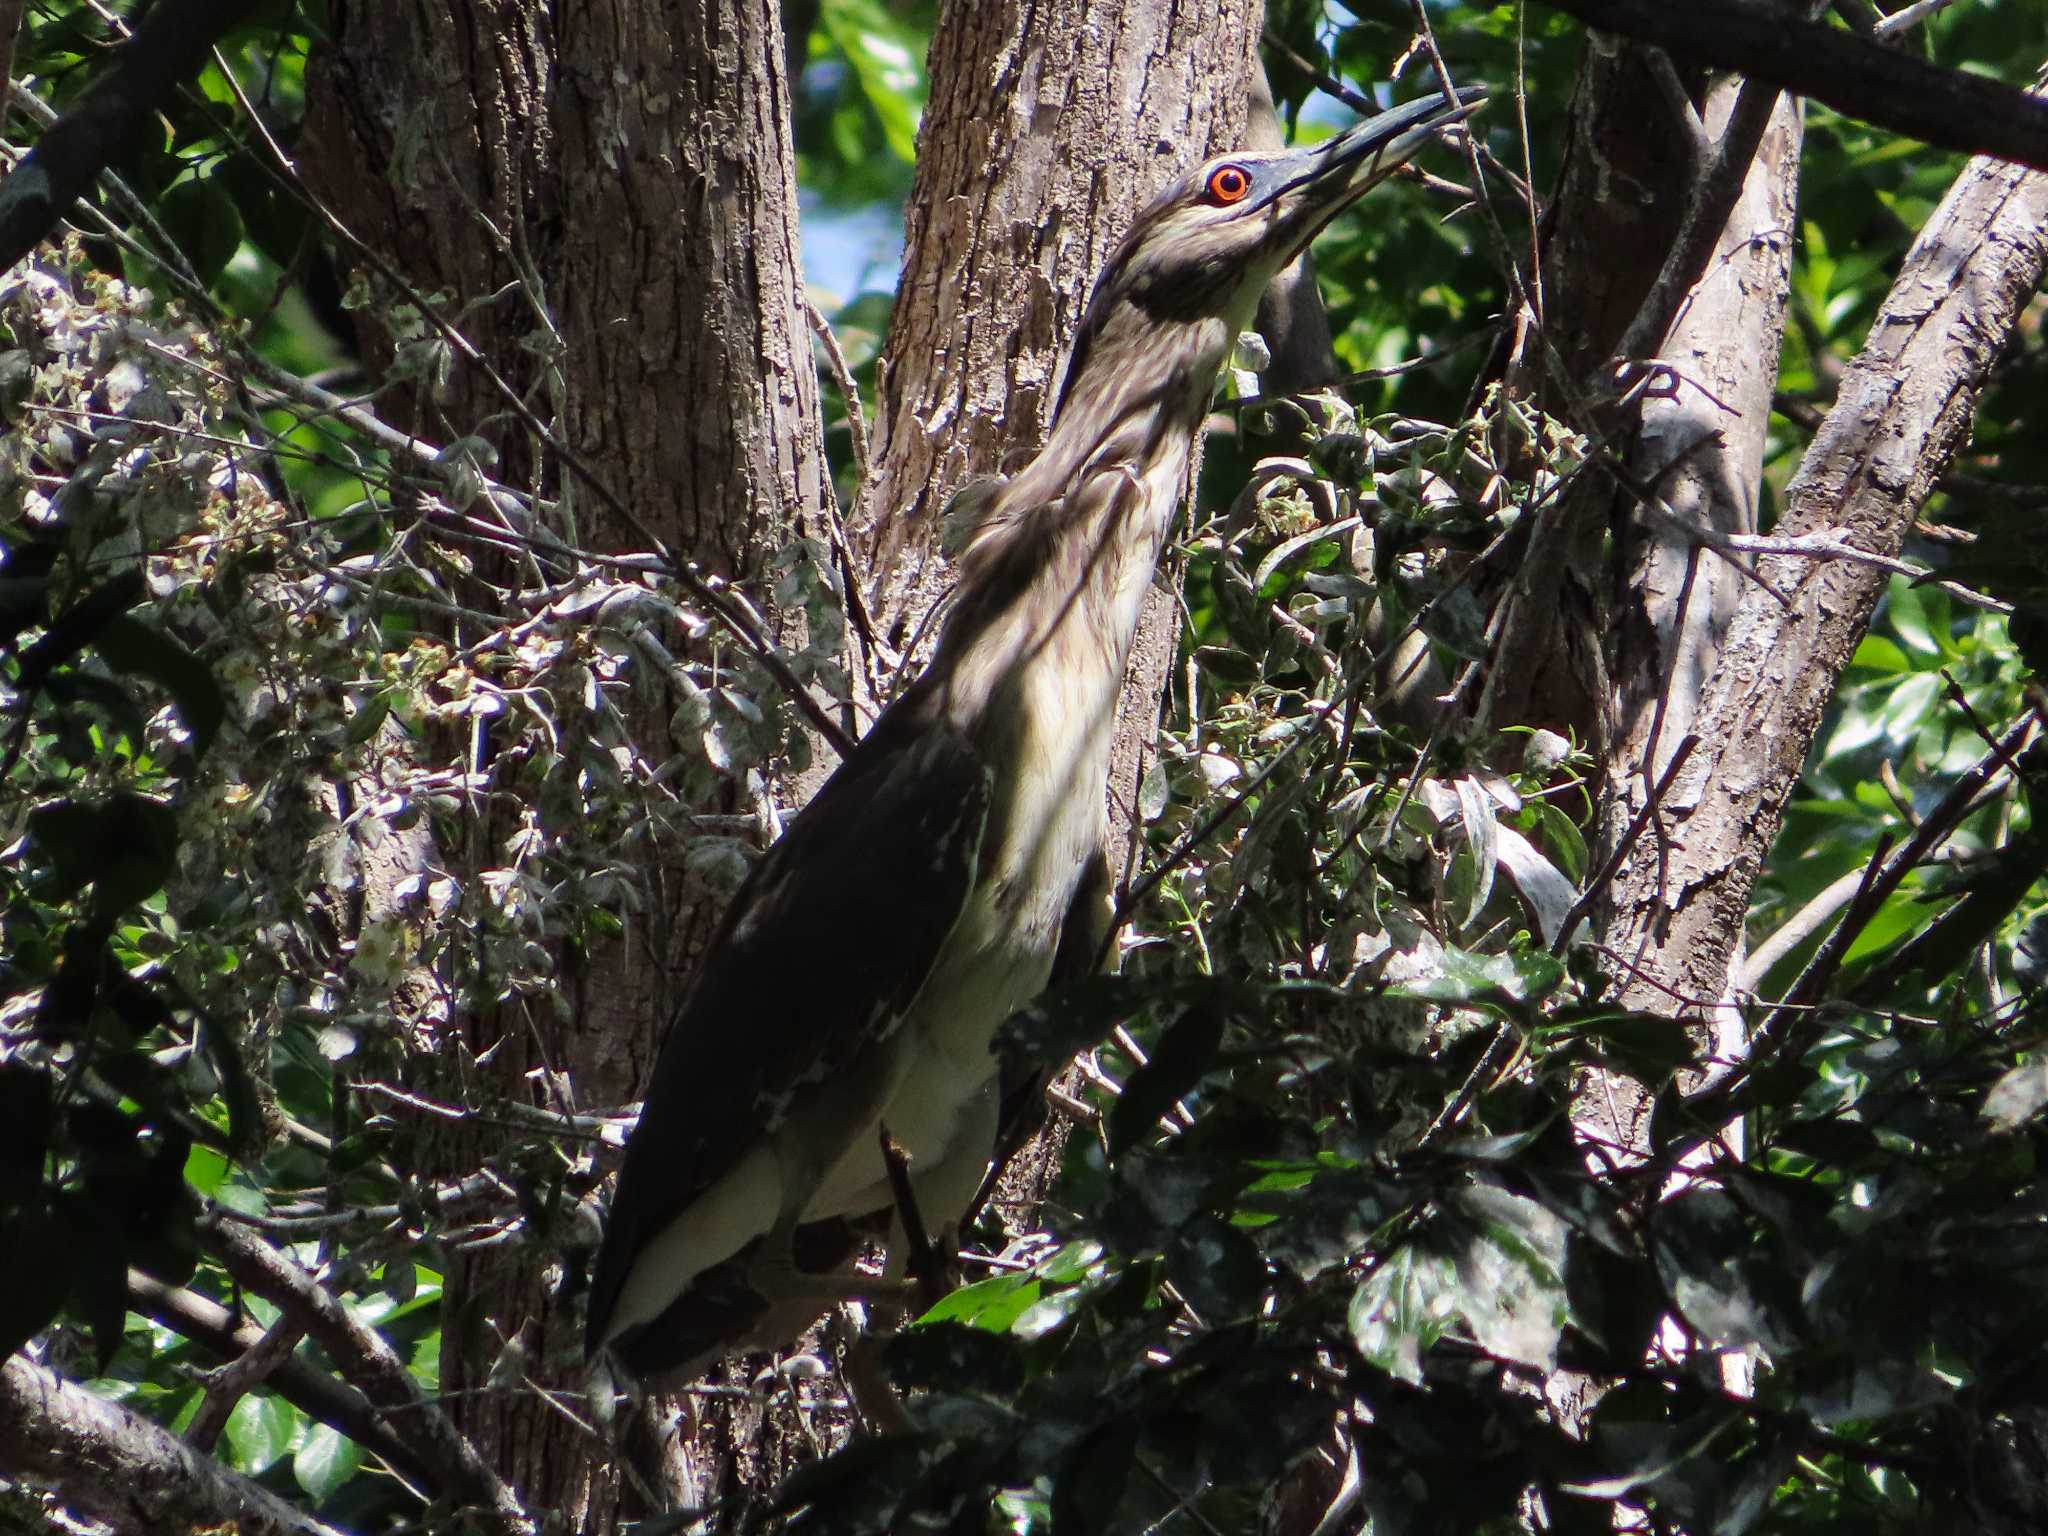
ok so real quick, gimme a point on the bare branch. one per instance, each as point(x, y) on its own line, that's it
point(118, 1467)
point(1857, 76)
point(1797, 929)
point(313, 1392)
point(170, 44)
point(1899, 21)
point(372, 1364)
point(255, 1365)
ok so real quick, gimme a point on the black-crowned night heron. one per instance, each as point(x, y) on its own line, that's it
point(863, 967)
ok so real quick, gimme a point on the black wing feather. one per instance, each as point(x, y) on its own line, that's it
point(827, 942)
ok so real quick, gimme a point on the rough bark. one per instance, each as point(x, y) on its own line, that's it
point(1903, 409)
point(1665, 272)
point(1699, 443)
point(102, 1461)
point(1618, 204)
point(1699, 434)
point(428, 131)
point(605, 195)
point(690, 375)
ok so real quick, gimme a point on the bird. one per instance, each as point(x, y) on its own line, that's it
point(856, 981)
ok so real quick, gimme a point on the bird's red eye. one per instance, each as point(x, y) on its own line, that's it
point(1229, 183)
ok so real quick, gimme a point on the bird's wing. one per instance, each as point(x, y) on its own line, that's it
point(821, 953)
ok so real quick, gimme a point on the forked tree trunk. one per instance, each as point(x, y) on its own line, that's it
point(1902, 410)
point(609, 187)
point(1700, 648)
point(1615, 617)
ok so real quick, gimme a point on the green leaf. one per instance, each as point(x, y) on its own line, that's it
point(325, 1460)
point(259, 1430)
point(1217, 1269)
point(1566, 841)
point(1705, 1255)
point(885, 57)
point(1877, 654)
point(137, 649)
point(1492, 981)
point(994, 1303)
point(1906, 606)
point(955, 1358)
point(1400, 1310)
point(1511, 1276)
point(123, 846)
point(1070, 1018)
point(1185, 1051)
point(1910, 706)
point(1648, 1047)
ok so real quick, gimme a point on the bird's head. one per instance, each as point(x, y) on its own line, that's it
point(1208, 245)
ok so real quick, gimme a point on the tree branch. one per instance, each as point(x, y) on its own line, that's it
point(1855, 75)
point(169, 46)
point(312, 1392)
point(1904, 407)
point(372, 1364)
point(1717, 187)
point(118, 1467)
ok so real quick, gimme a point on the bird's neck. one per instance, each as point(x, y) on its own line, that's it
point(1031, 663)
point(1066, 550)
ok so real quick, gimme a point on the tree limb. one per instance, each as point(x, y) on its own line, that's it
point(1855, 75)
point(1904, 408)
point(372, 1364)
point(312, 1392)
point(118, 1467)
point(169, 45)
point(1718, 184)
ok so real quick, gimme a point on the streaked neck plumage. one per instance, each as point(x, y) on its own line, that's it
point(1064, 552)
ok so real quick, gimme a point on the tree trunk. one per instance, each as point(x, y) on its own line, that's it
point(622, 243)
point(1049, 127)
point(1615, 615)
point(1902, 410)
point(604, 198)
point(1699, 435)
point(1618, 204)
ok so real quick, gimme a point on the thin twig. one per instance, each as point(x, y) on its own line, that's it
point(1885, 878)
point(373, 1365)
point(1611, 865)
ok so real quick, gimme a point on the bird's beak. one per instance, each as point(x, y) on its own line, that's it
point(1318, 182)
